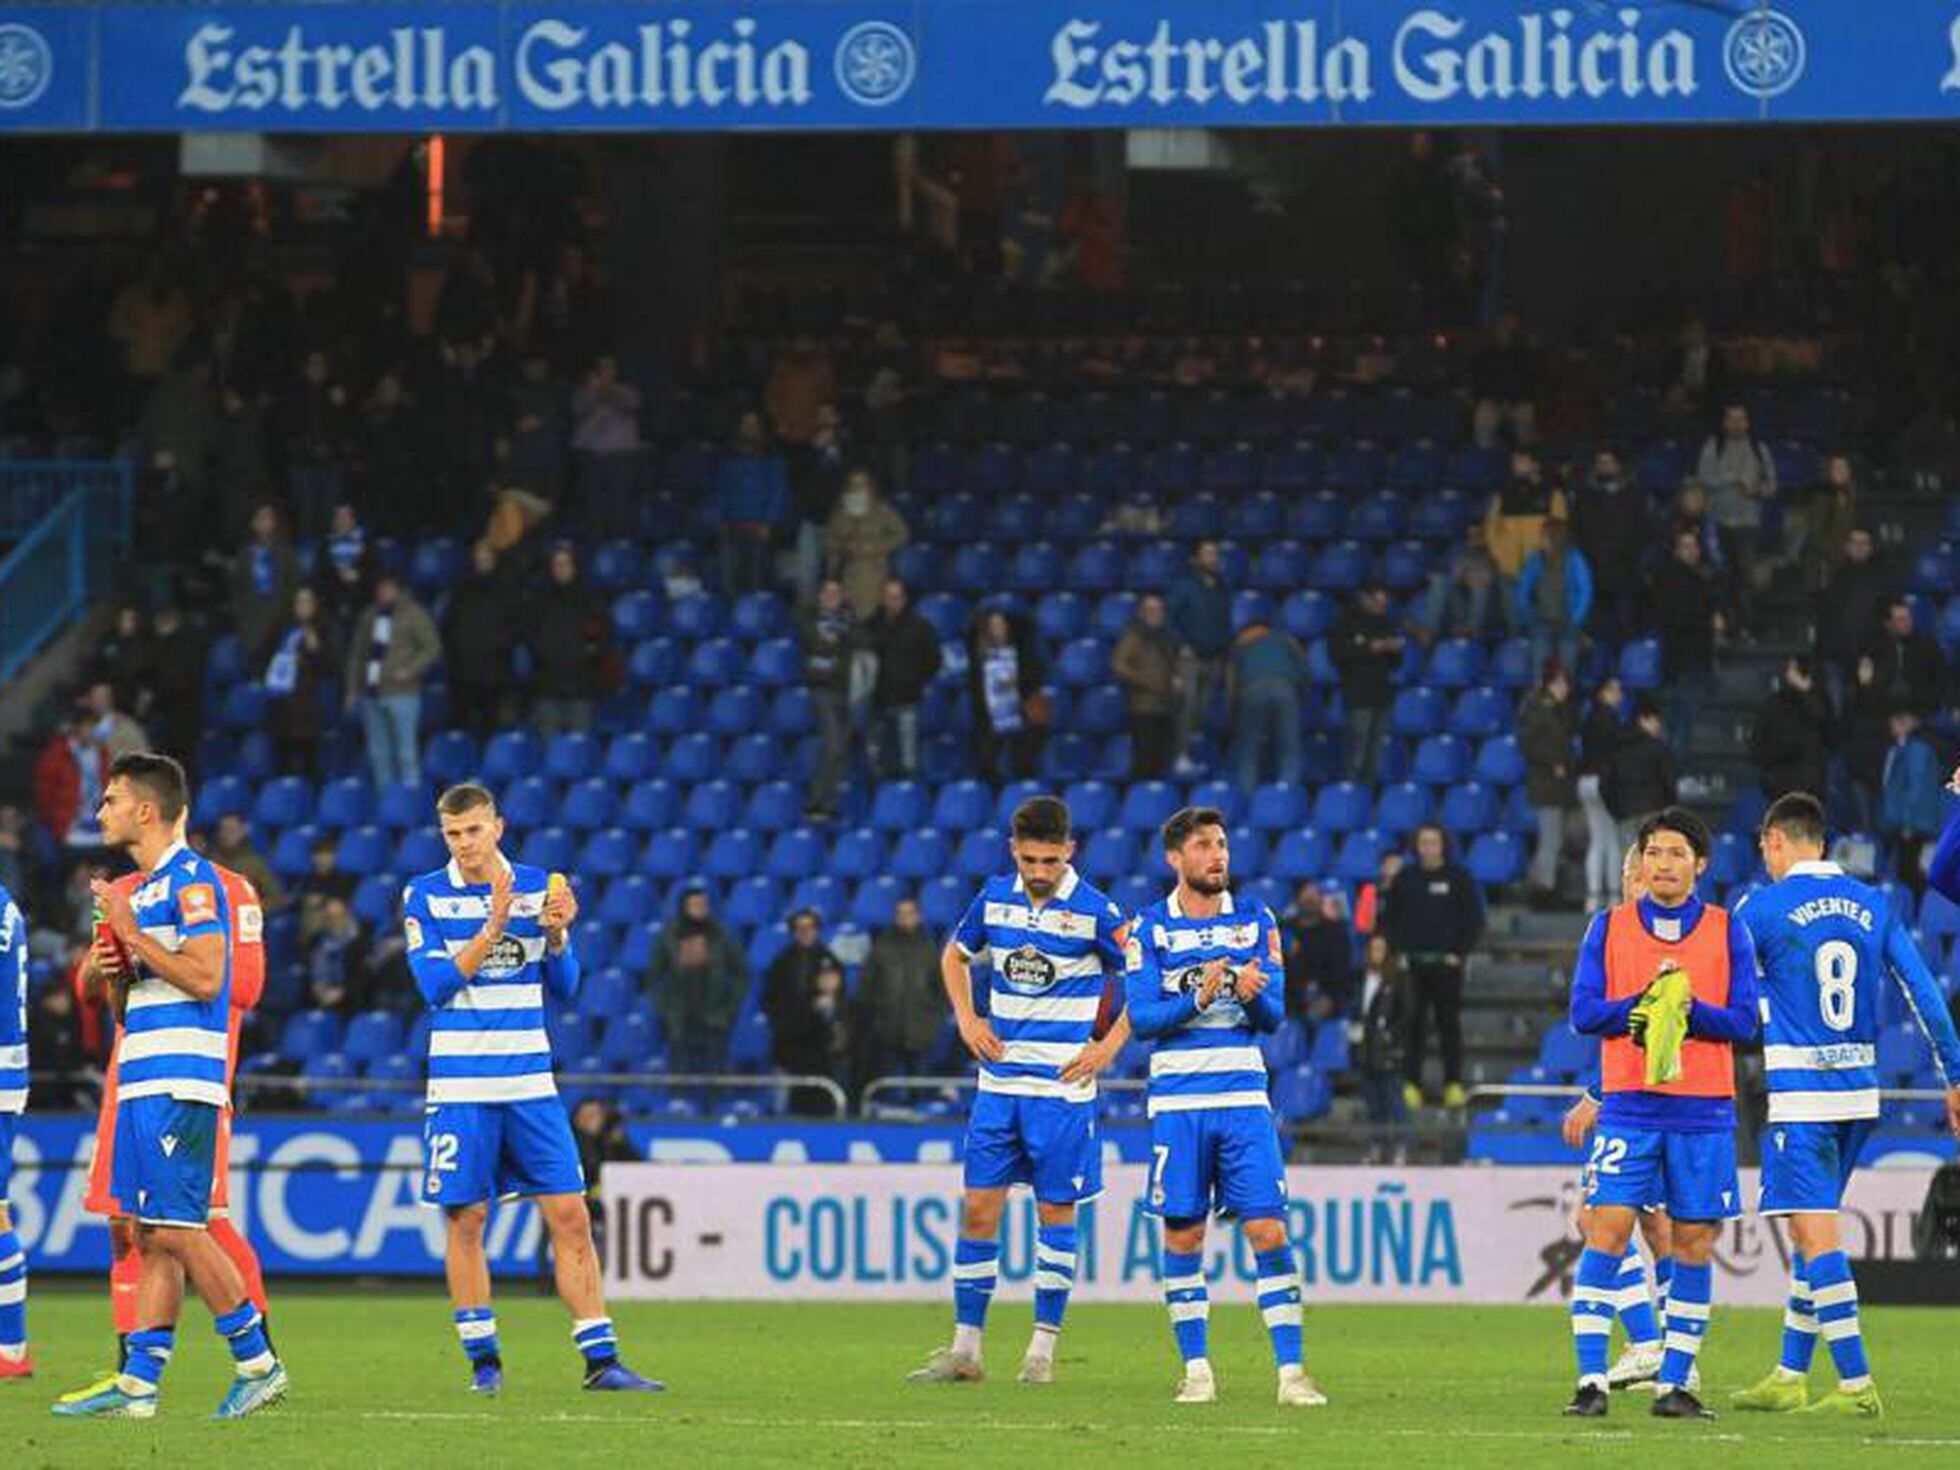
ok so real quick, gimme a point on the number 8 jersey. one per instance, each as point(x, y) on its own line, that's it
point(1825, 943)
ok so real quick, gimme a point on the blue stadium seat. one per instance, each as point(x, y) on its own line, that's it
point(1402, 808)
point(436, 565)
point(1036, 567)
point(610, 852)
point(631, 899)
point(1441, 760)
point(776, 662)
point(1342, 807)
point(654, 662)
point(1148, 805)
point(1096, 566)
point(636, 615)
point(1340, 567)
point(1640, 664)
point(990, 472)
point(531, 802)
point(977, 566)
point(1102, 710)
point(942, 902)
point(221, 796)
point(980, 855)
point(1277, 805)
point(1496, 858)
point(858, 854)
point(1500, 762)
point(650, 804)
point(1299, 855)
point(1048, 472)
point(283, 802)
point(402, 805)
point(1061, 615)
point(899, 806)
point(874, 901)
point(1011, 796)
point(1360, 857)
point(1083, 661)
point(1091, 804)
point(589, 804)
point(773, 806)
point(796, 854)
point(1308, 615)
point(716, 661)
point(1113, 613)
point(1249, 607)
point(946, 612)
point(962, 805)
point(1404, 566)
point(550, 848)
point(1329, 1054)
point(759, 615)
point(244, 707)
point(1378, 518)
point(1455, 663)
point(692, 758)
point(712, 806)
point(1287, 1047)
point(735, 710)
point(1939, 916)
point(1480, 712)
point(921, 853)
point(1469, 808)
point(628, 1042)
point(1155, 565)
point(673, 855)
point(363, 850)
point(1075, 517)
point(1300, 1095)
point(696, 618)
point(310, 1034)
point(1281, 566)
point(615, 565)
point(1730, 860)
point(732, 853)
point(376, 898)
point(1107, 854)
point(372, 1035)
point(792, 713)
point(1417, 712)
point(572, 756)
point(511, 754)
point(420, 850)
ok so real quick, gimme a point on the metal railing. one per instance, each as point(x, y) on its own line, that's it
point(966, 1083)
point(328, 1087)
point(70, 522)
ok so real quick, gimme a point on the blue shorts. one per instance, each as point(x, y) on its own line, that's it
point(480, 1151)
point(1217, 1160)
point(1692, 1174)
point(1047, 1142)
point(1807, 1165)
point(165, 1152)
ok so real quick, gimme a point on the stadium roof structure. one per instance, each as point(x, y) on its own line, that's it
point(869, 65)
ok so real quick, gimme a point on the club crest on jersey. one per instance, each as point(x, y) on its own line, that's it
point(199, 903)
point(1028, 970)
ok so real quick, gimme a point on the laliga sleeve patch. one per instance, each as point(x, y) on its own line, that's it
point(1272, 947)
point(251, 924)
point(1133, 954)
point(197, 903)
point(412, 928)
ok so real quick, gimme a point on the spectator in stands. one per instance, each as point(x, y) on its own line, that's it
point(479, 631)
point(801, 382)
point(1790, 742)
point(1145, 664)
point(391, 450)
point(1371, 898)
point(1507, 375)
point(1907, 662)
point(263, 577)
point(240, 462)
point(901, 1004)
point(177, 660)
point(908, 658)
point(1555, 596)
point(122, 659)
point(315, 432)
point(1458, 601)
point(1378, 1036)
point(816, 482)
point(232, 845)
point(333, 961)
point(1867, 725)
point(1639, 777)
point(346, 542)
point(117, 733)
point(600, 1133)
point(299, 680)
point(64, 1071)
point(1005, 673)
point(13, 849)
point(805, 1019)
point(752, 508)
point(831, 640)
point(1435, 919)
point(575, 312)
point(1090, 231)
point(1545, 737)
point(1687, 617)
point(1611, 521)
point(151, 317)
point(392, 649)
point(323, 881)
point(539, 425)
point(1367, 650)
point(1913, 804)
point(606, 443)
point(862, 535)
point(786, 983)
point(1830, 516)
point(569, 629)
point(1267, 683)
point(1514, 524)
point(697, 978)
point(1200, 612)
point(1739, 475)
point(1848, 610)
point(174, 438)
point(69, 776)
point(1319, 955)
point(1600, 735)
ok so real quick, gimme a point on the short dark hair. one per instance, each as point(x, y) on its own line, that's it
point(1799, 816)
point(1042, 819)
point(1677, 819)
point(158, 777)
point(466, 796)
point(1187, 820)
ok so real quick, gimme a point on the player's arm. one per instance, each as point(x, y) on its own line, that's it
point(1150, 1012)
point(1928, 1003)
point(1112, 947)
point(1260, 983)
point(956, 974)
point(439, 974)
point(1943, 872)
point(1592, 1013)
point(197, 965)
point(562, 970)
point(1740, 1018)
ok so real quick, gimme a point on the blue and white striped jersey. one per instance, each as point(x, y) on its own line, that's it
point(1050, 965)
point(1208, 1058)
point(173, 1045)
point(488, 1043)
point(1825, 942)
point(13, 1007)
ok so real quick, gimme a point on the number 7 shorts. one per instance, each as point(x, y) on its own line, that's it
point(478, 1151)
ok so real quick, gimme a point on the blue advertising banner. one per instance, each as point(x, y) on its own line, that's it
point(584, 65)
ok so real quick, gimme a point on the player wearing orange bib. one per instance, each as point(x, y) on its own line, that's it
point(247, 985)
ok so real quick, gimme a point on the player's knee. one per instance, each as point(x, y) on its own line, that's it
point(122, 1238)
point(1049, 1214)
point(1694, 1244)
point(466, 1224)
point(1184, 1236)
point(980, 1216)
point(566, 1218)
point(1265, 1235)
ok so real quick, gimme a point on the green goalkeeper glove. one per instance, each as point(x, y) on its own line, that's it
point(1659, 1024)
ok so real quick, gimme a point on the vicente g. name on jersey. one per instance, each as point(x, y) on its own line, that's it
point(554, 65)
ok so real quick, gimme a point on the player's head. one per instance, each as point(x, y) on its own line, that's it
point(1673, 854)
point(145, 796)
point(1633, 886)
point(471, 826)
point(1197, 849)
point(1792, 833)
point(1043, 843)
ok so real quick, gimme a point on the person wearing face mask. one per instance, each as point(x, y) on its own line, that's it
point(1609, 515)
point(863, 533)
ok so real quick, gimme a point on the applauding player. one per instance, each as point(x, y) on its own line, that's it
point(486, 941)
point(1056, 945)
point(14, 1362)
point(1826, 943)
point(1205, 981)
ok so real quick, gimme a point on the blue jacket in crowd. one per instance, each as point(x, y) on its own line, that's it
point(1200, 613)
point(752, 487)
point(1578, 588)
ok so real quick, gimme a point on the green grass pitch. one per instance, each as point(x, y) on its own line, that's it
point(378, 1381)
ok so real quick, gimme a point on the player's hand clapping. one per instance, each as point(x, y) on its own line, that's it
point(1249, 981)
point(1211, 980)
point(500, 895)
point(978, 1035)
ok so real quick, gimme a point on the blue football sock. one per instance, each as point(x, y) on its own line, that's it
point(1188, 1300)
point(243, 1330)
point(1054, 1274)
point(476, 1329)
point(1834, 1297)
point(1636, 1305)
point(13, 1293)
point(976, 1269)
point(1593, 1308)
point(1687, 1321)
point(149, 1351)
point(1799, 1322)
point(597, 1343)
point(1663, 1280)
point(1279, 1303)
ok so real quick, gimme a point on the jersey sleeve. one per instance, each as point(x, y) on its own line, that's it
point(970, 934)
point(1943, 871)
point(13, 971)
point(1738, 1020)
point(1152, 1013)
point(1268, 1008)
point(197, 905)
point(1592, 1013)
point(1112, 929)
point(436, 975)
point(1915, 978)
